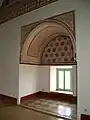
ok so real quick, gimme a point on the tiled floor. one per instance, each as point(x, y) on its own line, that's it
point(7, 101)
point(20, 113)
point(51, 107)
point(2, 104)
point(15, 112)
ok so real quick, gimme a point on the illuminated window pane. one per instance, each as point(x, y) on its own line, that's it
point(61, 79)
point(67, 80)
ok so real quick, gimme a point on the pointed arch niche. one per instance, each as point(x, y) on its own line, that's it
point(47, 42)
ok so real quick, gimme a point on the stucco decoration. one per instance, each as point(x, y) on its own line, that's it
point(13, 8)
point(58, 50)
point(39, 39)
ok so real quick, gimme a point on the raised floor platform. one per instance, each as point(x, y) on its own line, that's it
point(52, 96)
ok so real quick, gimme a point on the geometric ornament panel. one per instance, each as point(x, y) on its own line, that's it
point(58, 50)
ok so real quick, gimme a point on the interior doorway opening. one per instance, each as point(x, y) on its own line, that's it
point(48, 46)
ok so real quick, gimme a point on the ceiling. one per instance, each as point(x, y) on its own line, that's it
point(39, 37)
point(10, 9)
point(7, 3)
point(1, 1)
point(41, 33)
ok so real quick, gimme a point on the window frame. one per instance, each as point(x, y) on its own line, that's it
point(57, 79)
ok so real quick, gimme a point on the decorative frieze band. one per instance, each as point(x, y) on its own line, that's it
point(21, 8)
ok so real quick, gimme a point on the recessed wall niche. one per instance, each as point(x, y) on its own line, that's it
point(49, 41)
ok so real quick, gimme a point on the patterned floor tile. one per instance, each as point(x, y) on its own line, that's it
point(55, 108)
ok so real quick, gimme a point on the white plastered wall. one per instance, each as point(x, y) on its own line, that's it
point(10, 36)
point(29, 79)
point(44, 78)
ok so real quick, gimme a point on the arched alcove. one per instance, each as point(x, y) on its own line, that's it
point(58, 51)
point(39, 39)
